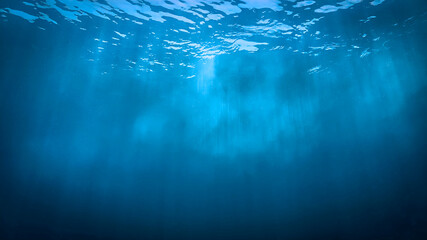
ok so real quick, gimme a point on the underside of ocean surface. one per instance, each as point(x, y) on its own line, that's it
point(213, 119)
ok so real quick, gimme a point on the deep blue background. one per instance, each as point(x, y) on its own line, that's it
point(350, 161)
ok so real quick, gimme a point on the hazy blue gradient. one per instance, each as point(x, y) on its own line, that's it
point(252, 119)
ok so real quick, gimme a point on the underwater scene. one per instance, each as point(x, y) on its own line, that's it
point(213, 119)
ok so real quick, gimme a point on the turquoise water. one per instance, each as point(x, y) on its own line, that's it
point(212, 119)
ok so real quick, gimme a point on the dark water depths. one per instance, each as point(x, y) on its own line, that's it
point(252, 119)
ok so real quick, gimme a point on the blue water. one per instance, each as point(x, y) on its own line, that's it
point(213, 119)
